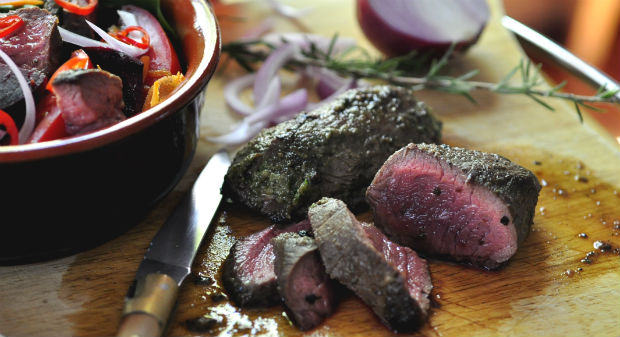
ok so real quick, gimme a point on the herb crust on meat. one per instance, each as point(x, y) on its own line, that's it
point(333, 151)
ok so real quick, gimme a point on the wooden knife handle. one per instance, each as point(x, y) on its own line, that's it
point(146, 313)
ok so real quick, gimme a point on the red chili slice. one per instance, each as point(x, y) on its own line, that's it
point(79, 60)
point(77, 9)
point(10, 127)
point(9, 24)
point(124, 37)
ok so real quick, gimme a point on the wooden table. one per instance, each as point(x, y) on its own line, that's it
point(541, 292)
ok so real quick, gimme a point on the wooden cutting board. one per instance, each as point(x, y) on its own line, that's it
point(545, 290)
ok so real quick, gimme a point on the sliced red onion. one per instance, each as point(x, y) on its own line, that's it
point(329, 82)
point(288, 11)
point(232, 91)
point(270, 67)
point(116, 44)
point(272, 94)
point(350, 84)
point(290, 104)
point(127, 19)
point(396, 27)
point(79, 40)
point(28, 126)
point(241, 134)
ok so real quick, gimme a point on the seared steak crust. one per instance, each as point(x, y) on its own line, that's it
point(302, 281)
point(391, 279)
point(333, 151)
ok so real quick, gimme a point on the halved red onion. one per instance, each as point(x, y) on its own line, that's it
point(397, 27)
point(288, 11)
point(26, 130)
point(116, 44)
point(270, 67)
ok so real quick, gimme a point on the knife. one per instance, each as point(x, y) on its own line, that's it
point(169, 257)
point(563, 57)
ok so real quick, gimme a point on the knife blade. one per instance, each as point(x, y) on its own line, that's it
point(171, 253)
point(563, 57)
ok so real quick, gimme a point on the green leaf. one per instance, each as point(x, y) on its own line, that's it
point(541, 102)
point(579, 112)
point(153, 6)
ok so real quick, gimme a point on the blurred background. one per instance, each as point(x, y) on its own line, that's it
point(588, 28)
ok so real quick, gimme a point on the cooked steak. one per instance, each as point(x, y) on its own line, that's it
point(332, 151)
point(391, 279)
point(302, 282)
point(453, 203)
point(89, 99)
point(248, 274)
point(128, 68)
point(35, 48)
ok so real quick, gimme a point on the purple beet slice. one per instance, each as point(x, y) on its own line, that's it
point(305, 288)
point(452, 203)
point(248, 273)
point(391, 279)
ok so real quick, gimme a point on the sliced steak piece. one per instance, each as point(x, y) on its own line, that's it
point(391, 279)
point(36, 48)
point(449, 202)
point(332, 151)
point(248, 273)
point(306, 289)
point(128, 68)
point(89, 99)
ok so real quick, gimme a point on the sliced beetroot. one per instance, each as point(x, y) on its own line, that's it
point(449, 202)
point(248, 274)
point(89, 99)
point(393, 280)
point(305, 288)
point(128, 68)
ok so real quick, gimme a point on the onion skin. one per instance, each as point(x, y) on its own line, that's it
point(392, 42)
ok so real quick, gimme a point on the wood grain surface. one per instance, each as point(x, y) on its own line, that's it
point(545, 290)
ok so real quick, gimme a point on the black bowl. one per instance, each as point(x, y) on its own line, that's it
point(64, 196)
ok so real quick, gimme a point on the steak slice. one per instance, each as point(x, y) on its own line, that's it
point(89, 99)
point(302, 282)
point(333, 151)
point(391, 279)
point(453, 203)
point(36, 48)
point(248, 273)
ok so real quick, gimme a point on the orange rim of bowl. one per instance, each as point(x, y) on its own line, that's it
point(205, 26)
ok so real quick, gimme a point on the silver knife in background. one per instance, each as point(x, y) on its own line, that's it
point(563, 57)
point(171, 253)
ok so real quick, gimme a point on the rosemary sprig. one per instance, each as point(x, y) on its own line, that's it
point(406, 71)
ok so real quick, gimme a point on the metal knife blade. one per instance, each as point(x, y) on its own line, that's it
point(171, 253)
point(563, 57)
